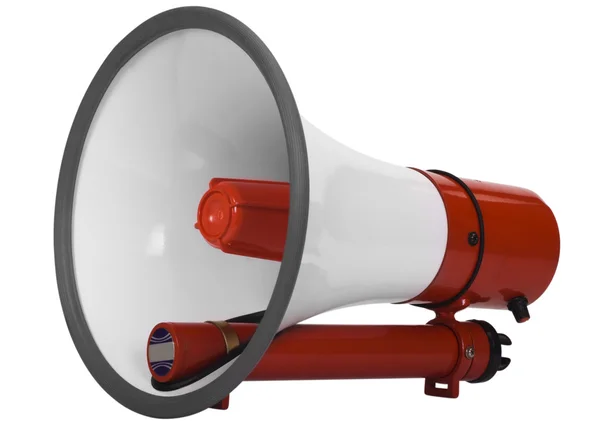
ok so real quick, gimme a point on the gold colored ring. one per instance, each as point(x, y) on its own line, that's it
point(231, 338)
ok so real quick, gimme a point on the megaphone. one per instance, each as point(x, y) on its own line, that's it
point(199, 219)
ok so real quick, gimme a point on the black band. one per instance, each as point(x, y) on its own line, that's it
point(253, 318)
point(213, 367)
point(481, 243)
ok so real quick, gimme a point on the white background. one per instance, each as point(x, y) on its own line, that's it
point(501, 91)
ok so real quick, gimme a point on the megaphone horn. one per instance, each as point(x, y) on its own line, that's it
point(200, 219)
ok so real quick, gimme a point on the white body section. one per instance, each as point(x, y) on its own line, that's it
point(192, 106)
point(377, 232)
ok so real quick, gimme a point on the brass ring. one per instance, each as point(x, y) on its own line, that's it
point(231, 338)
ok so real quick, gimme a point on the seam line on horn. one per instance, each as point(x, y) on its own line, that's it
point(481, 242)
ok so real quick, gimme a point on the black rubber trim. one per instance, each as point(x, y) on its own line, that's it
point(495, 352)
point(253, 318)
point(195, 401)
point(481, 243)
point(184, 382)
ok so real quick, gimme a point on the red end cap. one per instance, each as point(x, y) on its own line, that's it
point(245, 217)
point(214, 214)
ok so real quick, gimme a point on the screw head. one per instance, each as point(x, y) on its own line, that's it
point(473, 238)
point(470, 352)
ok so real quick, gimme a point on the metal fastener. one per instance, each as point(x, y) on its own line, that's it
point(473, 238)
point(470, 352)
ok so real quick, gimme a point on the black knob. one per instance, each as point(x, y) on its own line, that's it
point(504, 362)
point(518, 306)
point(504, 340)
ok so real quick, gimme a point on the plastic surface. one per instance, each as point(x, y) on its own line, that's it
point(377, 231)
point(245, 217)
point(522, 245)
point(176, 116)
point(305, 352)
point(310, 352)
point(195, 345)
point(189, 107)
point(521, 252)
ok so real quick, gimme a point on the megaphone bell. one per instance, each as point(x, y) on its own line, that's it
point(200, 219)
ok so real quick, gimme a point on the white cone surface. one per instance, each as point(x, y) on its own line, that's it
point(377, 232)
point(189, 107)
point(192, 106)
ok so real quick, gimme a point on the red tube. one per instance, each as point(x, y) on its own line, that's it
point(310, 352)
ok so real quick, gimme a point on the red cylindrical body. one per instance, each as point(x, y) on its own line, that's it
point(521, 244)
